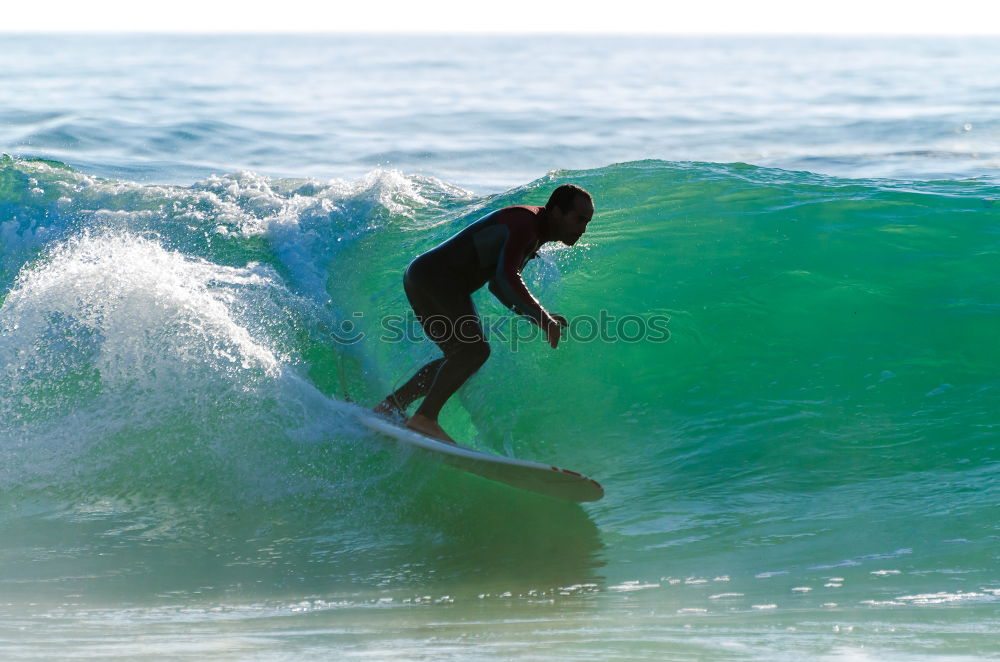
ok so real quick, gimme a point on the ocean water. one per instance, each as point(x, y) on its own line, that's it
point(202, 240)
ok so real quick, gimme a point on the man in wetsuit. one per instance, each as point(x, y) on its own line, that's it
point(439, 285)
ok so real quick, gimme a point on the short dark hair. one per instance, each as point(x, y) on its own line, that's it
point(564, 197)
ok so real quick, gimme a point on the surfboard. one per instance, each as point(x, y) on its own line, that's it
point(524, 474)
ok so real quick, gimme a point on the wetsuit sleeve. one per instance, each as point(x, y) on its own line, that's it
point(507, 284)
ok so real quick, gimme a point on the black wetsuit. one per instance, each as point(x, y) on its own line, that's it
point(439, 285)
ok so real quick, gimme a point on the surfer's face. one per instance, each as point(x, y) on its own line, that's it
point(572, 224)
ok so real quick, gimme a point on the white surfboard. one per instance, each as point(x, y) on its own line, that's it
point(524, 474)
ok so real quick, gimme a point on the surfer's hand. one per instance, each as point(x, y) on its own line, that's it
point(553, 330)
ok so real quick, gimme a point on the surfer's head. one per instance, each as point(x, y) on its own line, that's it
point(569, 209)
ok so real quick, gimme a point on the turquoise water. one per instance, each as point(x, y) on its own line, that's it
point(806, 469)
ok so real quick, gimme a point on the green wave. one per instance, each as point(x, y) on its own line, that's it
point(830, 358)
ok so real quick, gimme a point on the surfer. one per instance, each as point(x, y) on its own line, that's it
point(439, 285)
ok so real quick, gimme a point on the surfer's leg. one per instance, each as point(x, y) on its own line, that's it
point(455, 371)
point(465, 351)
point(459, 364)
point(449, 318)
point(416, 387)
point(419, 284)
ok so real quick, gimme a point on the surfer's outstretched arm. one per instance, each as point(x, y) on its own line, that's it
point(520, 244)
point(550, 324)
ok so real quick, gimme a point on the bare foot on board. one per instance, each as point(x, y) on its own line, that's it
point(427, 427)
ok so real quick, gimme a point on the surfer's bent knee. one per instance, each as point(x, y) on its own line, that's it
point(474, 353)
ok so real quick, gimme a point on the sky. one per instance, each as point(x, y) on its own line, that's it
point(945, 17)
